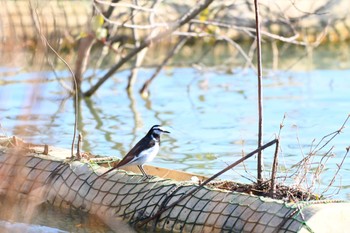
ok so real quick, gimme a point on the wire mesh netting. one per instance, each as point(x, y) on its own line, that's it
point(127, 196)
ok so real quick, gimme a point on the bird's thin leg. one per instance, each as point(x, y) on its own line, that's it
point(143, 171)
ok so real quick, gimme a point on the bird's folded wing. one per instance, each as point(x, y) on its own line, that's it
point(133, 154)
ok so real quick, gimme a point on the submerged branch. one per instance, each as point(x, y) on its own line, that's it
point(176, 48)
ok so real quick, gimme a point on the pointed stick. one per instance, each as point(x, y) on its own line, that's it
point(260, 165)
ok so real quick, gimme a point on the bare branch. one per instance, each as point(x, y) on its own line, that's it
point(275, 160)
point(219, 38)
point(241, 51)
point(139, 57)
point(250, 31)
point(172, 27)
point(251, 54)
point(132, 26)
point(80, 141)
point(83, 56)
point(110, 9)
point(46, 43)
point(176, 48)
point(331, 135)
point(337, 171)
point(116, 3)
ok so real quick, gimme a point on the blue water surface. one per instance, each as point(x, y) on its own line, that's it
point(212, 116)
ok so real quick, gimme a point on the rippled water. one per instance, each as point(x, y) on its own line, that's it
point(47, 219)
point(212, 116)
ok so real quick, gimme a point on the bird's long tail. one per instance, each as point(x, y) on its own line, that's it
point(98, 177)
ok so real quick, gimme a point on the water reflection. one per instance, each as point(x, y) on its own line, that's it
point(47, 218)
point(211, 116)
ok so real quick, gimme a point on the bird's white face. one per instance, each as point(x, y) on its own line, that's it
point(159, 130)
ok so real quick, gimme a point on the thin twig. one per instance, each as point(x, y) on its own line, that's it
point(250, 31)
point(246, 170)
point(217, 38)
point(250, 54)
point(60, 81)
point(336, 173)
point(126, 5)
point(80, 141)
point(274, 170)
point(139, 56)
point(320, 146)
point(275, 160)
point(334, 134)
point(321, 165)
point(46, 43)
point(241, 51)
point(110, 9)
point(176, 48)
point(304, 166)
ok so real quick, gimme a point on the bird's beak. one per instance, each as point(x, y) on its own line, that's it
point(162, 130)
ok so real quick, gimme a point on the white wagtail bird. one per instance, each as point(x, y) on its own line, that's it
point(143, 152)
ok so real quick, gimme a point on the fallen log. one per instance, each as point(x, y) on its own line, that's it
point(25, 172)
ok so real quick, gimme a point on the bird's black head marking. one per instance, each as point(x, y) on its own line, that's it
point(156, 131)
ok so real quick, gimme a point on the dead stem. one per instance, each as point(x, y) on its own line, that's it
point(304, 166)
point(139, 56)
point(46, 43)
point(144, 90)
point(275, 160)
point(274, 170)
point(80, 141)
point(333, 135)
point(337, 171)
point(260, 164)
